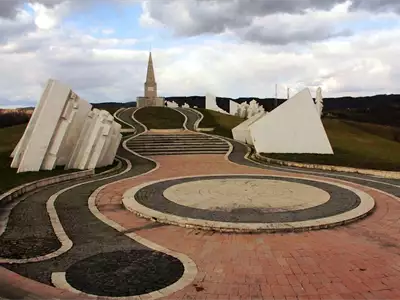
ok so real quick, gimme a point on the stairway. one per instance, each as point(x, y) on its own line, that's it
point(177, 144)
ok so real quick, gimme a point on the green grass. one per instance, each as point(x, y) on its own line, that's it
point(355, 144)
point(9, 178)
point(222, 123)
point(160, 118)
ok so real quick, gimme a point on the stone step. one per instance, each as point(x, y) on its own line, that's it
point(174, 135)
point(179, 149)
point(180, 153)
point(140, 138)
point(177, 143)
point(171, 147)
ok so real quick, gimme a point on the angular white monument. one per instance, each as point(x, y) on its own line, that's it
point(86, 145)
point(319, 101)
point(35, 142)
point(73, 133)
point(68, 128)
point(292, 127)
point(211, 103)
point(64, 131)
point(106, 121)
point(172, 104)
point(242, 132)
point(111, 146)
point(233, 107)
point(242, 112)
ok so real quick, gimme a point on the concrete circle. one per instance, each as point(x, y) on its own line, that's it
point(346, 204)
point(234, 193)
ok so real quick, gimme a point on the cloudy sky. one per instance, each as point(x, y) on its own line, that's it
point(230, 48)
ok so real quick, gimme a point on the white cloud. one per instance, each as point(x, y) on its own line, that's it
point(113, 69)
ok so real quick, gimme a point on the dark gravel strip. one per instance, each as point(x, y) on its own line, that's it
point(192, 117)
point(91, 237)
point(126, 114)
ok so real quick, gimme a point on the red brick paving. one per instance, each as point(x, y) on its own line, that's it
point(358, 261)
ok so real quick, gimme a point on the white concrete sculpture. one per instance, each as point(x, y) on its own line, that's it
point(37, 137)
point(243, 110)
point(242, 132)
point(233, 107)
point(88, 147)
point(319, 101)
point(252, 109)
point(211, 103)
point(62, 124)
point(73, 133)
point(111, 146)
point(186, 105)
point(172, 104)
point(60, 146)
point(292, 127)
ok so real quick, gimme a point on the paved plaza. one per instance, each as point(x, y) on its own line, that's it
point(204, 226)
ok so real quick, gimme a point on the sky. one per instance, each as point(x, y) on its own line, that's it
point(229, 48)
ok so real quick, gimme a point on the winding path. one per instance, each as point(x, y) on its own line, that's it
point(116, 253)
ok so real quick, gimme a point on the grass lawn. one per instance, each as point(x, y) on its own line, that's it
point(355, 144)
point(160, 118)
point(9, 178)
point(221, 123)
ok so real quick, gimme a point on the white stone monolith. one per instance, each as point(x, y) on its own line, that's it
point(211, 103)
point(106, 122)
point(79, 157)
point(292, 127)
point(172, 104)
point(233, 107)
point(59, 142)
point(35, 143)
point(242, 132)
point(319, 101)
point(73, 133)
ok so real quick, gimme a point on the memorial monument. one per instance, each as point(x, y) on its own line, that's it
point(319, 101)
point(293, 127)
point(64, 131)
point(150, 89)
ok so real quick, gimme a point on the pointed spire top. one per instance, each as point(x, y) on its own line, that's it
point(150, 78)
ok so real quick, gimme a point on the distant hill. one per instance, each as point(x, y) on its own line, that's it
point(379, 109)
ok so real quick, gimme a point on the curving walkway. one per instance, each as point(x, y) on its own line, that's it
point(116, 253)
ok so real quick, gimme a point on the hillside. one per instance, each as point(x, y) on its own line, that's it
point(9, 177)
point(379, 109)
point(160, 118)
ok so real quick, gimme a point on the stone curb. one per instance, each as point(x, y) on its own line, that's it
point(365, 208)
point(30, 186)
point(133, 129)
point(380, 173)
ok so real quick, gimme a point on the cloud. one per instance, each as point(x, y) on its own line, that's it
point(246, 51)
point(274, 22)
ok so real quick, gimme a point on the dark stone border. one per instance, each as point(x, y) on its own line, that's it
point(341, 200)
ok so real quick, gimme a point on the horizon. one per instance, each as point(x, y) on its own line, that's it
point(228, 48)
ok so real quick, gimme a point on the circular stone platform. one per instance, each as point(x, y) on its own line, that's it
point(249, 203)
